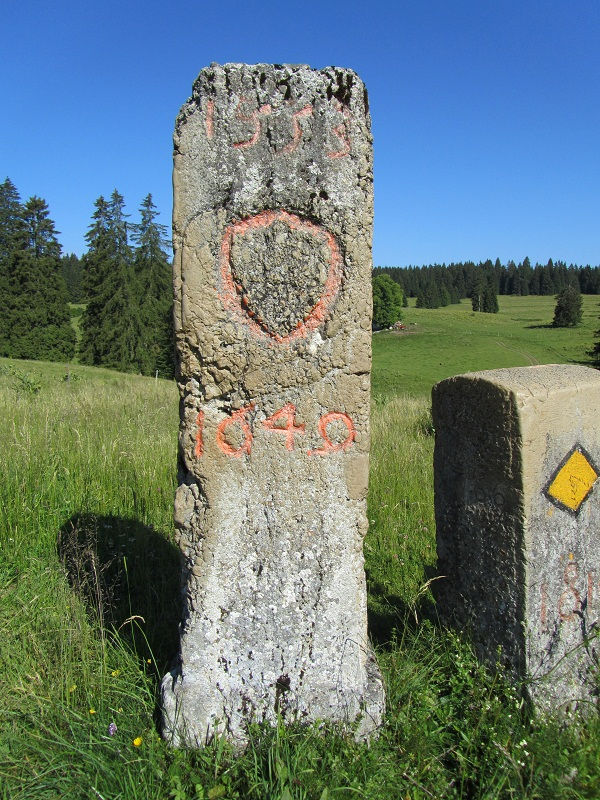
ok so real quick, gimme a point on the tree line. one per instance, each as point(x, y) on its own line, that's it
point(34, 314)
point(438, 285)
point(124, 280)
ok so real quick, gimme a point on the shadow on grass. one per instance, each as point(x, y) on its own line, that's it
point(128, 575)
point(584, 363)
point(389, 613)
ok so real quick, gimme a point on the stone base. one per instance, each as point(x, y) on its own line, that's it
point(193, 715)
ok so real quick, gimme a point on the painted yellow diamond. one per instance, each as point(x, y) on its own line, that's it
point(573, 481)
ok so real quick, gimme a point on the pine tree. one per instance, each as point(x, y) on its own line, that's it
point(429, 295)
point(38, 312)
point(95, 264)
point(489, 303)
point(120, 330)
point(546, 281)
point(110, 324)
point(72, 270)
point(568, 311)
point(524, 276)
point(10, 217)
point(477, 291)
point(594, 353)
point(154, 291)
point(11, 223)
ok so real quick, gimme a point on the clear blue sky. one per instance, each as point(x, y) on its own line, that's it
point(486, 113)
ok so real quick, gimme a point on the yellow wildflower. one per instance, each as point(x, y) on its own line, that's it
point(92, 710)
point(115, 672)
point(137, 741)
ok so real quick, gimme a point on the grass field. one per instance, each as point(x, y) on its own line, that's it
point(447, 341)
point(88, 597)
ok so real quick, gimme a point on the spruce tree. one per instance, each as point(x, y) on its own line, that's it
point(95, 264)
point(38, 312)
point(110, 324)
point(11, 223)
point(120, 330)
point(10, 215)
point(594, 353)
point(477, 291)
point(546, 282)
point(72, 270)
point(489, 303)
point(568, 311)
point(154, 292)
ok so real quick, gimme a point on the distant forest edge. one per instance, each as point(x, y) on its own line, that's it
point(123, 285)
point(440, 284)
point(124, 280)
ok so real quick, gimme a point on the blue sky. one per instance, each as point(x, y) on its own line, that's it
point(486, 115)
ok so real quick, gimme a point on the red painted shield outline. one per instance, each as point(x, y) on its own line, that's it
point(231, 298)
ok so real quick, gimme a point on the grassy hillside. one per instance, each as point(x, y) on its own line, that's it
point(447, 341)
point(89, 585)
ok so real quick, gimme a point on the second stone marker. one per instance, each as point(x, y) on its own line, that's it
point(517, 515)
point(272, 229)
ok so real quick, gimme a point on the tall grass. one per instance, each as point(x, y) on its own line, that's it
point(89, 583)
point(85, 520)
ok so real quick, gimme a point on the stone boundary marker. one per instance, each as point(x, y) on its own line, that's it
point(517, 506)
point(272, 227)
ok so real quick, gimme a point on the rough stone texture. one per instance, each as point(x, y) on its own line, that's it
point(272, 228)
point(518, 548)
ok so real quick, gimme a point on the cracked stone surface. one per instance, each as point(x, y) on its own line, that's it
point(272, 228)
point(519, 550)
point(281, 274)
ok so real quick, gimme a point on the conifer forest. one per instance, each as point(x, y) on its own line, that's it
point(121, 287)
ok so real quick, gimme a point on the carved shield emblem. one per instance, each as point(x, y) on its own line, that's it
point(280, 274)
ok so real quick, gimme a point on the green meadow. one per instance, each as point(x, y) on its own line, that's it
point(446, 341)
point(89, 586)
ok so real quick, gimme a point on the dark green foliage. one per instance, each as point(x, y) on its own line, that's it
point(429, 296)
point(477, 295)
point(10, 224)
point(568, 311)
point(35, 314)
point(96, 263)
point(72, 270)
point(490, 300)
point(594, 353)
point(154, 288)
point(436, 285)
point(127, 323)
point(10, 214)
point(109, 323)
point(483, 294)
point(387, 301)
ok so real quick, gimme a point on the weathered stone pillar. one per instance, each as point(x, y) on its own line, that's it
point(272, 229)
point(517, 456)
